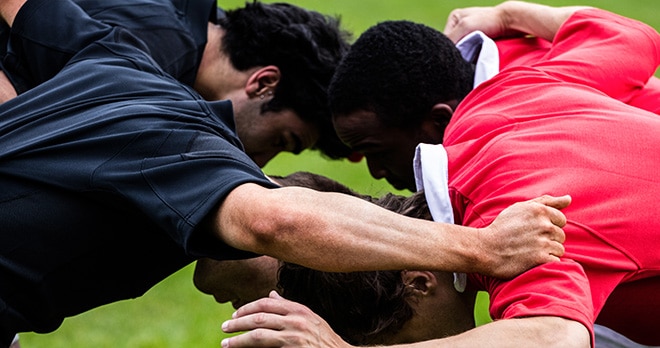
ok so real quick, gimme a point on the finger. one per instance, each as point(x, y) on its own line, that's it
point(451, 21)
point(275, 295)
point(558, 219)
point(557, 234)
point(255, 321)
point(268, 304)
point(252, 339)
point(557, 250)
point(551, 252)
point(451, 30)
point(560, 202)
point(551, 258)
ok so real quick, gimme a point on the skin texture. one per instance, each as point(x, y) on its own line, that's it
point(274, 322)
point(263, 134)
point(237, 281)
point(388, 150)
point(8, 12)
point(9, 9)
point(7, 90)
point(362, 236)
point(439, 310)
point(277, 322)
point(507, 19)
point(314, 224)
point(436, 309)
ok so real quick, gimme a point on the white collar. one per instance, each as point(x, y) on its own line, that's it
point(430, 163)
point(432, 175)
point(478, 45)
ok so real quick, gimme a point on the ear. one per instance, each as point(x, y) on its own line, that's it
point(441, 114)
point(422, 283)
point(263, 81)
point(434, 124)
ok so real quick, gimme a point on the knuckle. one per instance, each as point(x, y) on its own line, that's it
point(548, 227)
point(260, 318)
point(295, 340)
point(298, 323)
point(258, 335)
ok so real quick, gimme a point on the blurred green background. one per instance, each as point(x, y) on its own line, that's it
point(174, 313)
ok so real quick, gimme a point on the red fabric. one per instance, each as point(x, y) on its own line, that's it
point(526, 51)
point(521, 51)
point(555, 128)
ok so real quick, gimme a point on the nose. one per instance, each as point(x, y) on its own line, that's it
point(376, 169)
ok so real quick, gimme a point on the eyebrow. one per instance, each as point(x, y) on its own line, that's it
point(365, 147)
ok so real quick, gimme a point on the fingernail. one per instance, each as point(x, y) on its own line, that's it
point(225, 343)
point(224, 326)
point(233, 315)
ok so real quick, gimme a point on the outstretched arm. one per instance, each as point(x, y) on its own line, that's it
point(277, 322)
point(508, 18)
point(337, 232)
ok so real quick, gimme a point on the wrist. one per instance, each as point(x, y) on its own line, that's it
point(507, 13)
point(471, 251)
point(481, 259)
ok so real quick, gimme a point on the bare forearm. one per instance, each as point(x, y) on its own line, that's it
point(283, 323)
point(336, 232)
point(510, 18)
point(539, 20)
point(528, 332)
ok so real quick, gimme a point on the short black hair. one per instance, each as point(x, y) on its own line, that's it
point(399, 70)
point(305, 45)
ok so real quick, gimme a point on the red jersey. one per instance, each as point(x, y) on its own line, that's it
point(558, 126)
point(529, 50)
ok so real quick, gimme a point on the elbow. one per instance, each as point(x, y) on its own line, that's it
point(564, 333)
point(264, 221)
point(266, 225)
point(248, 219)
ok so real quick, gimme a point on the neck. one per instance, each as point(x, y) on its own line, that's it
point(216, 75)
point(444, 313)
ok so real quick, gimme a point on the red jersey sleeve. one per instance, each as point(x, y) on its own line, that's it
point(530, 294)
point(611, 53)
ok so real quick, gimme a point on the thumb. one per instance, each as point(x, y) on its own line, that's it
point(275, 295)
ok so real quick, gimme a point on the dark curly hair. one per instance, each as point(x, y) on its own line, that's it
point(305, 45)
point(399, 70)
point(362, 307)
point(316, 182)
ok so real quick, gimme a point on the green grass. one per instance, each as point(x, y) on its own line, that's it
point(173, 313)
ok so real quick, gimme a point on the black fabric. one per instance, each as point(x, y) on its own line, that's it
point(107, 170)
point(174, 34)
